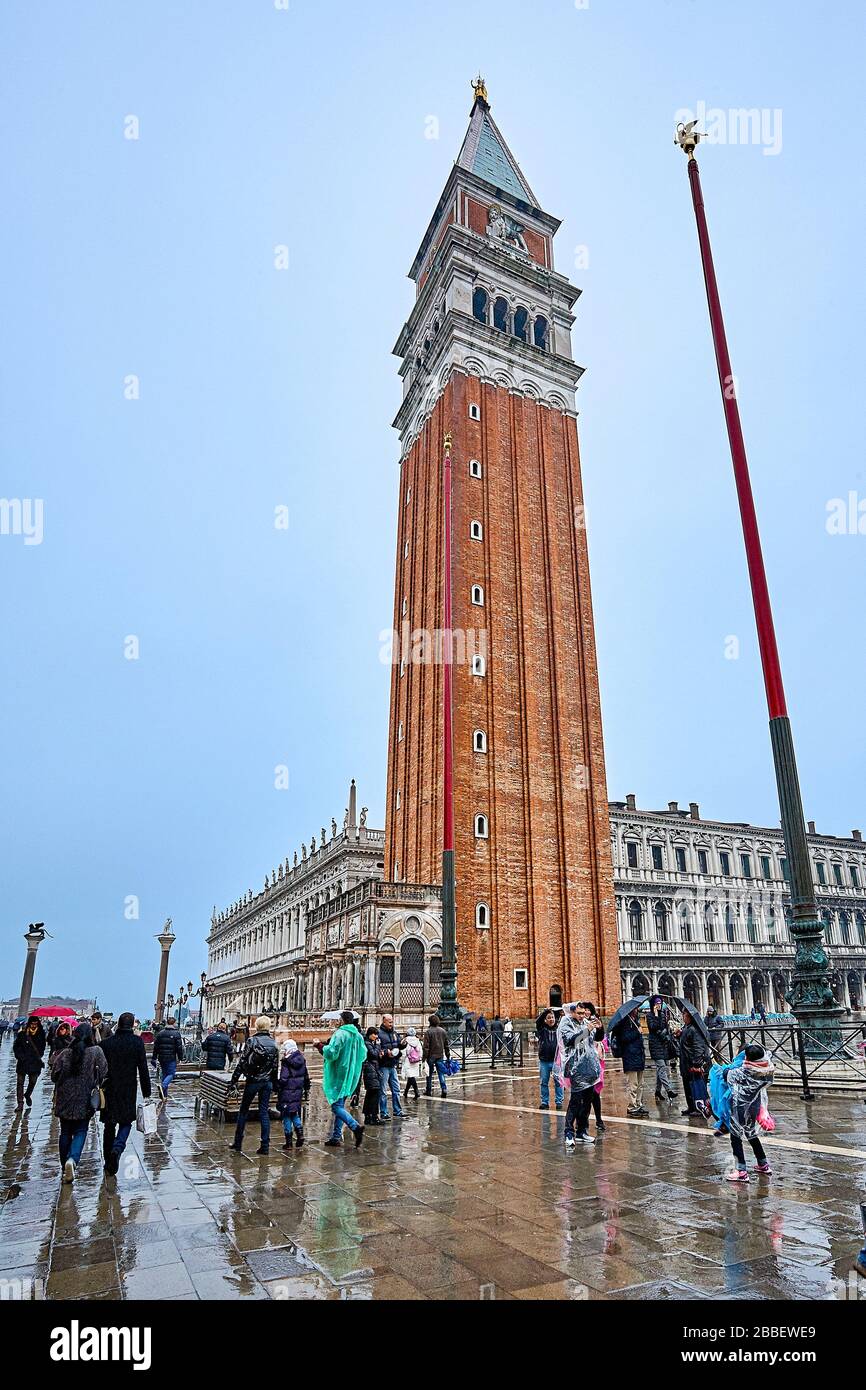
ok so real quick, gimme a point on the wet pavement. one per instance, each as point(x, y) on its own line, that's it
point(468, 1198)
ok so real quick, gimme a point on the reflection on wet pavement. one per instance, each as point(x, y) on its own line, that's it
point(458, 1201)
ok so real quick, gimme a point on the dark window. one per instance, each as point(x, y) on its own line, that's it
point(855, 877)
point(631, 853)
point(635, 920)
point(751, 929)
point(709, 923)
point(845, 928)
point(658, 859)
point(661, 920)
point(412, 962)
point(822, 875)
point(746, 865)
point(765, 866)
point(480, 303)
point(861, 928)
point(521, 324)
point(837, 874)
point(685, 923)
point(681, 858)
point(540, 331)
point(500, 315)
point(725, 861)
point(730, 923)
point(703, 861)
point(783, 865)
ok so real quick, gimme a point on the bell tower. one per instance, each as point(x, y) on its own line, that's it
point(486, 357)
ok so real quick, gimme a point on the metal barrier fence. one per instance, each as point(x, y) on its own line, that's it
point(502, 1050)
point(799, 1052)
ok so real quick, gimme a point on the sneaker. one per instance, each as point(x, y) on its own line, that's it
point(542, 1106)
point(702, 1108)
point(384, 1119)
point(763, 1168)
point(569, 1144)
point(262, 1151)
point(583, 1139)
point(359, 1136)
point(333, 1144)
point(738, 1175)
point(600, 1127)
point(642, 1111)
point(633, 1110)
point(236, 1147)
point(288, 1145)
point(559, 1105)
point(68, 1171)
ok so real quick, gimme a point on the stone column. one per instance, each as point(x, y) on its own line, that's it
point(34, 936)
point(726, 991)
point(166, 940)
point(750, 998)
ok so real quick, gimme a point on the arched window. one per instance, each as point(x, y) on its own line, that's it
point(710, 922)
point(476, 531)
point(474, 468)
point(685, 922)
point(635, 920)
point(386, 981)
point(500, 314)
point(661, 920)
point(480, 827)
point(478, 595)
point(540, 332)
point(845, 928)
point(521, 324)
point(480, 305)
point(479, 741)
point(412, 973)
point(730, 923)
point(861, 928)
point(482, 915)
point(751, 928)
point(479, 666)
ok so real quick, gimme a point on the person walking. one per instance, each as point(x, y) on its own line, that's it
point(580, 1069)
point(126, 1057)
point(436, 1051)
point(545, 1031)
point(410, 1068)
point(28, 1050)
point(715, 1026)
point(497, 1029)
point(217, 1050)
point(626, 1042)
point(258, 1064)
point(747, 1083)
point(468, 1027)
point(371, 1073)
point(343, 1056)
point(102, 1029)
point(392, 1045)
point(167, 1052)
point(293, 1089)
point(78, 1071)
point(659, 1023)
point(482, 1027)
point(695, 1060)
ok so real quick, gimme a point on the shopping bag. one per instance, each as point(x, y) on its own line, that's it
point(699, 1088)
point(145, 1117)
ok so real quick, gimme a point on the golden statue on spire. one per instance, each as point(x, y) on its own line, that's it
point(480, 90)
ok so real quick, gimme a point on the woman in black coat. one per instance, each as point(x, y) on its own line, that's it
point(29, 1049)
point(695, 1058)
point(127, 1066)
point(371, 1077)
point(293, 1088)
point(77, 1071)
point(627, 1043)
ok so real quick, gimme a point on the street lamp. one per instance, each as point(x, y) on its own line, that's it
point(812, 998)
point(202, 993)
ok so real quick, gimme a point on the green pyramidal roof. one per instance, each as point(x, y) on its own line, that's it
point(486, 154)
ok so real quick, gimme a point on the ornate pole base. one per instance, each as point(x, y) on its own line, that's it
point(812, 999)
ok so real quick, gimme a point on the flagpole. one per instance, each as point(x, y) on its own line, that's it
point(812, 999)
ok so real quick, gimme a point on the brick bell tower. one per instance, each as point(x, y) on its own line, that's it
point(486, 356)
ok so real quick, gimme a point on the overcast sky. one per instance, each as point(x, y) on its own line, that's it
point(145, 770)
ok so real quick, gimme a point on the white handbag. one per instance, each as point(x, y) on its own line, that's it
point(145, 1117)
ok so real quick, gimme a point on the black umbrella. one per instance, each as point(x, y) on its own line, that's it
point(697, 1016)
point(626, 1008)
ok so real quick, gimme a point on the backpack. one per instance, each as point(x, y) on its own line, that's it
point(260, 1060)
point(413, 1051)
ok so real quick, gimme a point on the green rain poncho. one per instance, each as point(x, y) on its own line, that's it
point(343, 1057)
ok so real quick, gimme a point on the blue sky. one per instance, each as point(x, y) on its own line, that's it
point(259, 387)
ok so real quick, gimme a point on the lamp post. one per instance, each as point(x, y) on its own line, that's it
point(812, 998)
point(448, 1009)
point(34, 936)
point(202, 992)
point(182, 998)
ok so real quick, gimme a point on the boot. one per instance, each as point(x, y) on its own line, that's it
point(300, 1138)
point(288, 1143)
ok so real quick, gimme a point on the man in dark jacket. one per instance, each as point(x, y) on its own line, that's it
point(545, 1028)
point(660, 1047)
point(497, 1028)
point(626, 1042)
point(392, 1045)
point(695, 1058)
point(28, 1049)
point(127, 1067)
point(715, 1025)
point(217, 1050)
point(259, 1063)
point(167, 1051)
point(435, 1051)
point(102, 1029)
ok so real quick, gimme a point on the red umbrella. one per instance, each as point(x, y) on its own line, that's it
point(53, 1011)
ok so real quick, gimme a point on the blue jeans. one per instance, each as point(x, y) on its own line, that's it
point(261, 1088)
point(545, 1070)
point(389, 1078)
point(291, 1122)
point(169, 1071)
point(72, 1136)
point(342, 1117)
point(441, 1072)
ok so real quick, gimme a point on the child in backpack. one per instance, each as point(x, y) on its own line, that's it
point(410, 1068)
point(293, 1089)
point(372, 1077)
